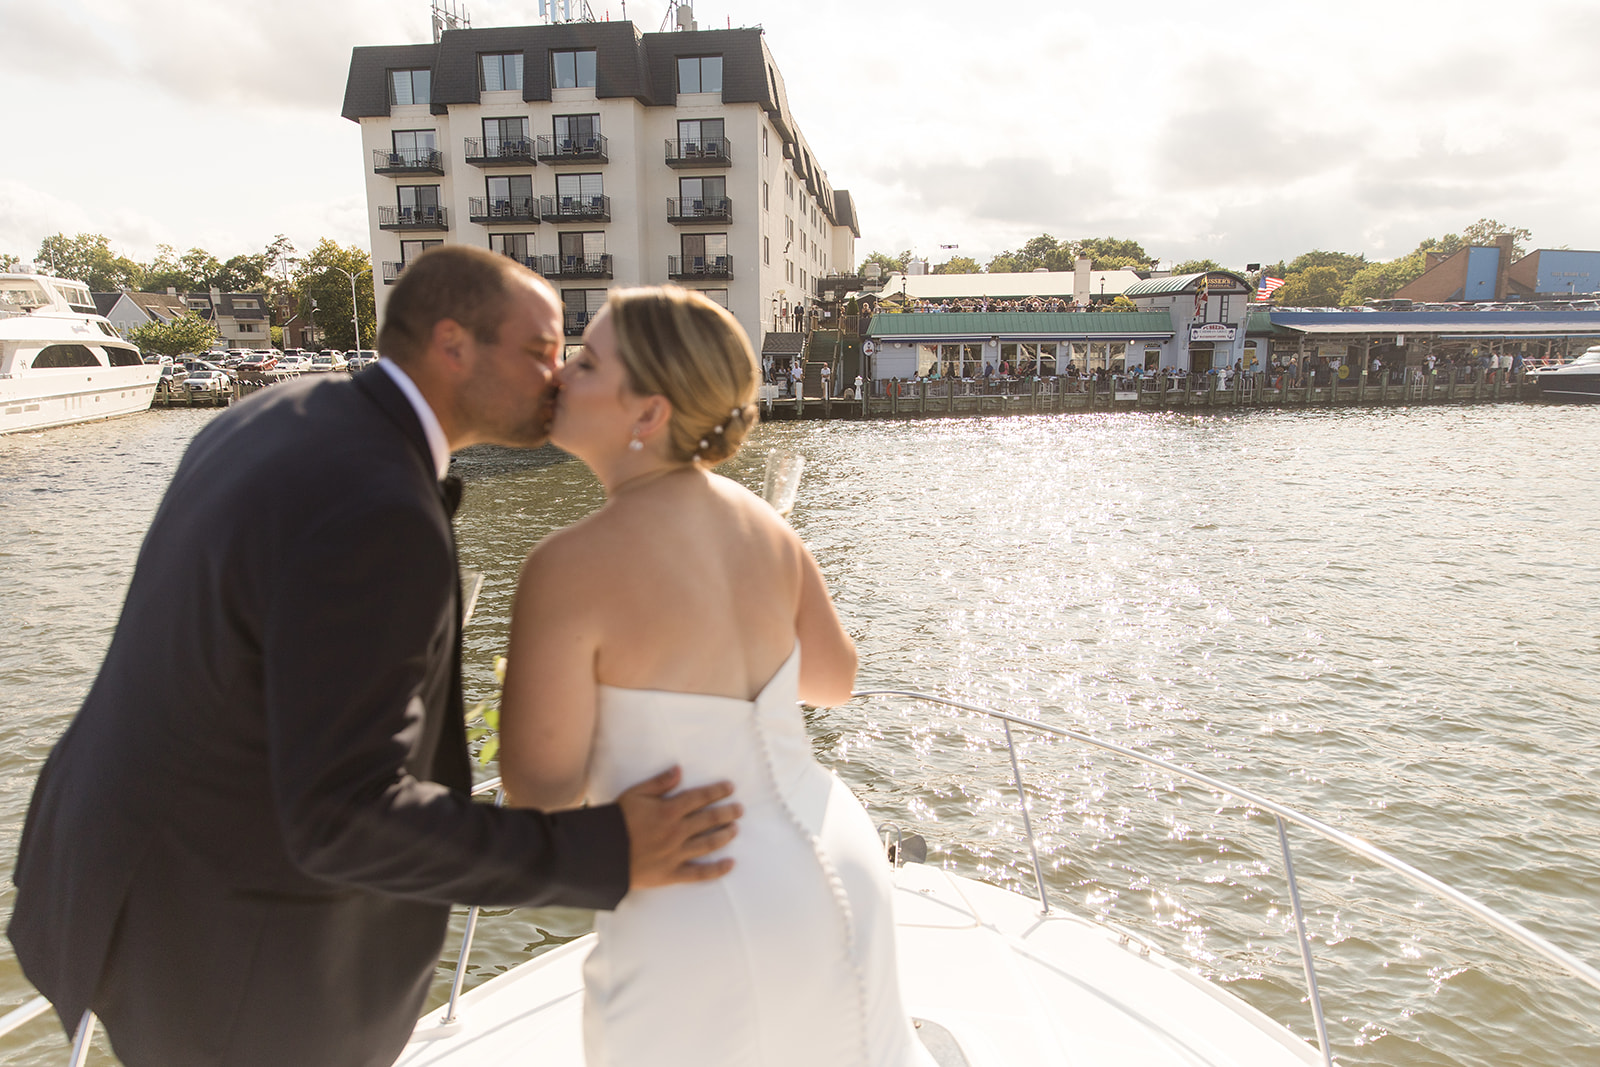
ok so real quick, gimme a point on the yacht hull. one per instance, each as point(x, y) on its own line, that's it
point(59, 398)
point(1580, 388)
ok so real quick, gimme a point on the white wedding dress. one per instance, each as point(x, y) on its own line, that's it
point(789, 959)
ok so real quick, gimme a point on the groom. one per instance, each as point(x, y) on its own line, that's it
point(245, 847)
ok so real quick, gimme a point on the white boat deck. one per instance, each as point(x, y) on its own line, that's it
point(1012, 988)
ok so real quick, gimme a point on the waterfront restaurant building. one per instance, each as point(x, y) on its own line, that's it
point(600, 156)
point(1187, 322)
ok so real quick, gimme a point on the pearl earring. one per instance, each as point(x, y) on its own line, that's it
point(636, 445)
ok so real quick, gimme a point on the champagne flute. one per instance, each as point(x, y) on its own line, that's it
point(782, 480)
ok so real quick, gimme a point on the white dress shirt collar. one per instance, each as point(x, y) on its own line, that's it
point(437, 444)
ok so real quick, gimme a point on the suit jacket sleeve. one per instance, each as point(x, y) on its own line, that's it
point(361, 613)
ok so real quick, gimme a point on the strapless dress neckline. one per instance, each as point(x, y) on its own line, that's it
point(793, 660)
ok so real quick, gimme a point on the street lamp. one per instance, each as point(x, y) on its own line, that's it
point(355, 314)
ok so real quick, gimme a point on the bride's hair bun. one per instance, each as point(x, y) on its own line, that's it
point(678, 344)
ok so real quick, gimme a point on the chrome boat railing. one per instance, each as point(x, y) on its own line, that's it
point(1283, 815)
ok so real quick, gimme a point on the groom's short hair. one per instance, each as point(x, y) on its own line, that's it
point(471, 286)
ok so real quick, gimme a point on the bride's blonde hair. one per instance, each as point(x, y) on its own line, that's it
point(678, 344)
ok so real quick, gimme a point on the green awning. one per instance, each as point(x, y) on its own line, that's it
point(1021, 325)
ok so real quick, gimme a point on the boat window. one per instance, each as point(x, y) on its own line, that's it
point(123, 357)
point(56, 356)
point(22, 294)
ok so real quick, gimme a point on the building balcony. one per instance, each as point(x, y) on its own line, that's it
point(502, 210)
point(493, 152)
point(576, 322)
point(575, 208)
point(594, 149)
point(391, 271)
point(412, 161)
point(692, 267)
point(413, 218)
point(596, 266)
point(700, 152)
point(687, 211)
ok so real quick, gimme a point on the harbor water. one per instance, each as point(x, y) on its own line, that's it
point(1382, 617)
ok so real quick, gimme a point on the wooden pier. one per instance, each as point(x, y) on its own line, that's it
point(921, 398)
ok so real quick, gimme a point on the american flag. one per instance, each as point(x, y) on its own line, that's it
point(1266, 287)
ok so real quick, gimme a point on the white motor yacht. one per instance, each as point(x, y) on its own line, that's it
point(60, 361)
point(1578, 380)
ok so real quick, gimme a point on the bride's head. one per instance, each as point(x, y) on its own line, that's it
point(662, 366)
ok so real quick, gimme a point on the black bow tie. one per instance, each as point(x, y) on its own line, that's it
point(450, 494)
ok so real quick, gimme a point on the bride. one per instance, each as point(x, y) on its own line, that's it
point(678, 625)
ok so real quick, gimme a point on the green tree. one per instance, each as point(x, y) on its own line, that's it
point(1121, 303)
point(1113, 253)
point(195, 270)
point(243, 274)
point(886, 263)
point(186, 333)
point(1346, 264)
point(321, 277)
point(8, 261)
point(1379, 281)
point(1484, 231)
point(88, 258)
point(1197, 266)
point(1312, 287)
point(958, 265)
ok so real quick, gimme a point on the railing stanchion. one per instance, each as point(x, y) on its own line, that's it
point(460, 978)
point(1305, 945)
point(80, 1040)
point(1027, 823)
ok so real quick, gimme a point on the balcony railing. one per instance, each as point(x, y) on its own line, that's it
point(576, 321)
point(594, 149)
point(699, 209)
point(413, 218)
point(567, 208)
point(699, 152)
point(391, 271)
point(411, 161)
point(494, 152)
point(503, 209)
point(594, 266)
point(699, 266)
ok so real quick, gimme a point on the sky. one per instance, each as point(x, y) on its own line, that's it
point(1237, 132)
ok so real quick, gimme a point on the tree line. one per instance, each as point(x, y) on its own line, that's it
point(1312, 279)
point(315, 285)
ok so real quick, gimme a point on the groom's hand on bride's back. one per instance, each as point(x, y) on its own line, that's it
point(669, 836)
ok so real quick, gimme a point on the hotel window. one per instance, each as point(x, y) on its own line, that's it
point(579, 249)
point(577, 132)
point(519, 246)
point(766, 251)
point(410, 87)
point(498, 72)
point(414, 147)
point(700, 74)
point(763, 140)
point(573, 70)
point(499, 133)
point(581, 306)
point(766, 196)
point(788, 228)
point(511, 194)
point(699, 193)
point(410, 250)
point(716, 296)
point(701, 137)
point(802, 242)
point(702, 251)
point(240, 304)
point(579, 189)
point(417, 202)
point(788, 185)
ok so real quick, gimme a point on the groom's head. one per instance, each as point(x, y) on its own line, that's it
point(481, 336)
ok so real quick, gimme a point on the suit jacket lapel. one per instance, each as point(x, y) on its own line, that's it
point(381, 390)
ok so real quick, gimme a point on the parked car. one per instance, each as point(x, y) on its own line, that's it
point(208, 381)
point(260, 362)
point(328, 360)
point(172, 374)
point(360, 358)
point(293, 364)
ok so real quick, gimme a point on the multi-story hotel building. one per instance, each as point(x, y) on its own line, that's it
point(601, 156)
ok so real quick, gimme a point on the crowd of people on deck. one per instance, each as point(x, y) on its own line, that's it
point(984, 303)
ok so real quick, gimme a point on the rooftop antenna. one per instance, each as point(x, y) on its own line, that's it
point(680, 16)
point(556, 12)
point(447, 15)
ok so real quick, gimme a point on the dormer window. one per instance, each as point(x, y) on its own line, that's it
point(700, 74)
point(499, 72)
point(573, 70)
point(410, 87)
